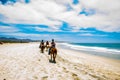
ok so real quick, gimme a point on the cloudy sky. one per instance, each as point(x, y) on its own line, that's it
point(63, 20)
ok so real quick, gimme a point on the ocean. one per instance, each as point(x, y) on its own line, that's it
point(104, 45)
point(109, 50)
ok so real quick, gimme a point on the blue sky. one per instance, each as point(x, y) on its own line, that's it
point(69, 20)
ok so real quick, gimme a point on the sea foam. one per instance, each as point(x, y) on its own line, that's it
point(88, 48)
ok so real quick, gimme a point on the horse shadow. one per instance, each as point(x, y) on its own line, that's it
point(51, 61)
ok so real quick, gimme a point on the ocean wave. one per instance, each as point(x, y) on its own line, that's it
point(88, 48)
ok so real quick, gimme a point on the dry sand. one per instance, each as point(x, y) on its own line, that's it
point(25, 62)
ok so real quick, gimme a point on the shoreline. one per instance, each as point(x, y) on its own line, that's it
point(106, 54)
point(91, 56)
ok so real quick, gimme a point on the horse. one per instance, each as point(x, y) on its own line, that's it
point(42, 47)
point(53, 53)
point(1, 43)
point(47, 47)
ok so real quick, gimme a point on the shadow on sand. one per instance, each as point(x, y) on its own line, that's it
point(51, 61)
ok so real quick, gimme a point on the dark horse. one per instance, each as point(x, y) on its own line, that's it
point(1, 43)
point(53, 53)
point(42, 47)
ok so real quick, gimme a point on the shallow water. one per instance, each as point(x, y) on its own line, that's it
point(99, 51)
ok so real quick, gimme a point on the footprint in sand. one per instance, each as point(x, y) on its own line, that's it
point(64, 69)
point(75, 76)
point(97, 77)
point(35, 77)
point(38, 59)
point(44, 78)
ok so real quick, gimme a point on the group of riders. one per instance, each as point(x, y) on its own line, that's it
point(51, 48)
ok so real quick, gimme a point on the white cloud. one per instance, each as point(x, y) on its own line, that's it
point(8, 29)
point(27, 35)
point(107, 13)
point(46, 29)
point(34, 36)
point(89, 34)
point(24, 35)
point(31, 13)
point(52, 12)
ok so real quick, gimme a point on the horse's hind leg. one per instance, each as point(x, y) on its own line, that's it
point(55, 54)
point(51, 56)
point(54, 57)
point(42, 50)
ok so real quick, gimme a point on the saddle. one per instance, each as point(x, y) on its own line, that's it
point(52, 49)
point(41, 46)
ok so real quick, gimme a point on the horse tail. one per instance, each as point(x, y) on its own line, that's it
point(55, 51)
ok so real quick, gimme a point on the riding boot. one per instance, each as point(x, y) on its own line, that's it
point(49, 51)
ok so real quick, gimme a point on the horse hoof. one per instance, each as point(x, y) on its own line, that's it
point(54, 61)
point(50, 60)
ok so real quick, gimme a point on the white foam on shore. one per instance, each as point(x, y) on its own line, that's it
point(96, 49)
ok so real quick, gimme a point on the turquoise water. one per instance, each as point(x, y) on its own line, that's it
point(103, 45)
point(110, 50)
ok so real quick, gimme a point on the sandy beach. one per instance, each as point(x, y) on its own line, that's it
point(26, 62)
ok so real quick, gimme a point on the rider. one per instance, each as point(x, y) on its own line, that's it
point(47, 43)
point(52, 45)
point(42, 43)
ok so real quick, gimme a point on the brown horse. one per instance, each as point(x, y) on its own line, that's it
point(1, 43)
point(42, 47)
point(53, 53)
point(47, 47)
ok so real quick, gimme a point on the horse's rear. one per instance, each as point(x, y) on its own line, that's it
point(47, 47)
point(53, 53)
point(1, 43)
point(42, 47)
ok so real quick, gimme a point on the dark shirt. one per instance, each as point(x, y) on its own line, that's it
point(52, 44)
point(42, 44)
point(47, 43)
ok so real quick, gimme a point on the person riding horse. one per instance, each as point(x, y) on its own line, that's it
point(52, 46)
point(52, 51)
point(47, 45)
point(1, 43)
point(42, 46)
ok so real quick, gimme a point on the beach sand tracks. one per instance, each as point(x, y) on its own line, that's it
point(87, 70)
point(44, 78)
point(4, 72)
point(27, 61)
point(71, 69)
